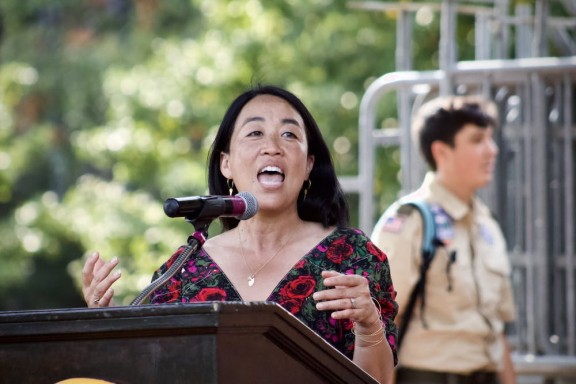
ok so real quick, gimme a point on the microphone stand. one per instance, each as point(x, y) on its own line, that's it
point(195, 241)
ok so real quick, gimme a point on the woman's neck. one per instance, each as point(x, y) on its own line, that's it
point(267, 232)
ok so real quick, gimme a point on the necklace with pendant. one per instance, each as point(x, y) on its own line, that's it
point(252, 276)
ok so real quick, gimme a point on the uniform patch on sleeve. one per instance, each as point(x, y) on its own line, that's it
point(486, 234)
point(394, 224)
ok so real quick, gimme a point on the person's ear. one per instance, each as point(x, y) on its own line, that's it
point(440, 151)
point(225, 165)
point(309, 166)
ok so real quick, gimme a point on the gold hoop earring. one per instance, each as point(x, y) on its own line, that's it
point(306, 188)
point(230, 184)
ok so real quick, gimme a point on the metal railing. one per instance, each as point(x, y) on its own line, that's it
point(533, 193)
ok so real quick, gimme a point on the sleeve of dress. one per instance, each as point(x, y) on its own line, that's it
point(385, 295)
point(170, 291)
point(374, 265)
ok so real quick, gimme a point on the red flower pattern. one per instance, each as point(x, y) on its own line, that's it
point(212, 294)
point(339, 250)
point(300, 288)
point(346, 250)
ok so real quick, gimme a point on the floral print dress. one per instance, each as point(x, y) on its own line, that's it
point(345, 250)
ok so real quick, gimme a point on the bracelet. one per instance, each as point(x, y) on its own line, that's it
point(371, 339)
point(378, 314)
point(380, 337)
point(376, 337)
point(372, 345)
point(375, 333)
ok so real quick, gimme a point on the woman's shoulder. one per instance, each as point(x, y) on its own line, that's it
point(352, 245)
point(354, 237)
point(350, 232)
point(221, 238)
point(222, 243)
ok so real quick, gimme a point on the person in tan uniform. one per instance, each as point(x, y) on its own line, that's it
point(457, 336)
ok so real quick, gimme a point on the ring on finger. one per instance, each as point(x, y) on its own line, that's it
point(353, 302)
point(97, 299)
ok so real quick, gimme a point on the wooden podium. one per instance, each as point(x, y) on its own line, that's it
point(173, 343)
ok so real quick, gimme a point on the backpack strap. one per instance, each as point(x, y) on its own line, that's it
point(430, 242)
point(429, 239)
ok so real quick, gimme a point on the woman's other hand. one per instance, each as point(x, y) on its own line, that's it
point(348, 297)
point(97, 279)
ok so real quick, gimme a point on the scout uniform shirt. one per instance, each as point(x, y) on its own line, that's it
point(468, 290)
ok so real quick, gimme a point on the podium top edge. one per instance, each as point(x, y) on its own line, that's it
point(146, 310)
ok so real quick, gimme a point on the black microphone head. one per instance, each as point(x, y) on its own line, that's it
point(251, 205)
point(171, 207)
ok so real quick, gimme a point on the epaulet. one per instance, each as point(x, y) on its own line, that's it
point(405, 209)
point(394, 218)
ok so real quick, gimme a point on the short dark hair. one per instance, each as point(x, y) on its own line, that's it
point(325, 202)
point(442, 118)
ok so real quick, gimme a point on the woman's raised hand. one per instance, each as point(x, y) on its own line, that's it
point(97, 279)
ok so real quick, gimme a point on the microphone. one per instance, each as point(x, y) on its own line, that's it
point(241, 206)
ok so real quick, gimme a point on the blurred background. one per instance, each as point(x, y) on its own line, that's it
point(108, 107)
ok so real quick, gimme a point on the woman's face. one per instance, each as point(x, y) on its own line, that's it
point(268, 153)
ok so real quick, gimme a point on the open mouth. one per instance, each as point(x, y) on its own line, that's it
point(270, 175)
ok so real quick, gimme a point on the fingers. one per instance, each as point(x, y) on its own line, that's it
point(348, 297)
point(87, 271)
point(97, 279)
point(103, 293)
point(107, 300)
point(339, 280)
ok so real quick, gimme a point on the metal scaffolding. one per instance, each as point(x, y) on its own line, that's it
point(534, 192)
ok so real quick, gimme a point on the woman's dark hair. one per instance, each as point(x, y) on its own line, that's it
point(442, 118)
point(325, 202)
